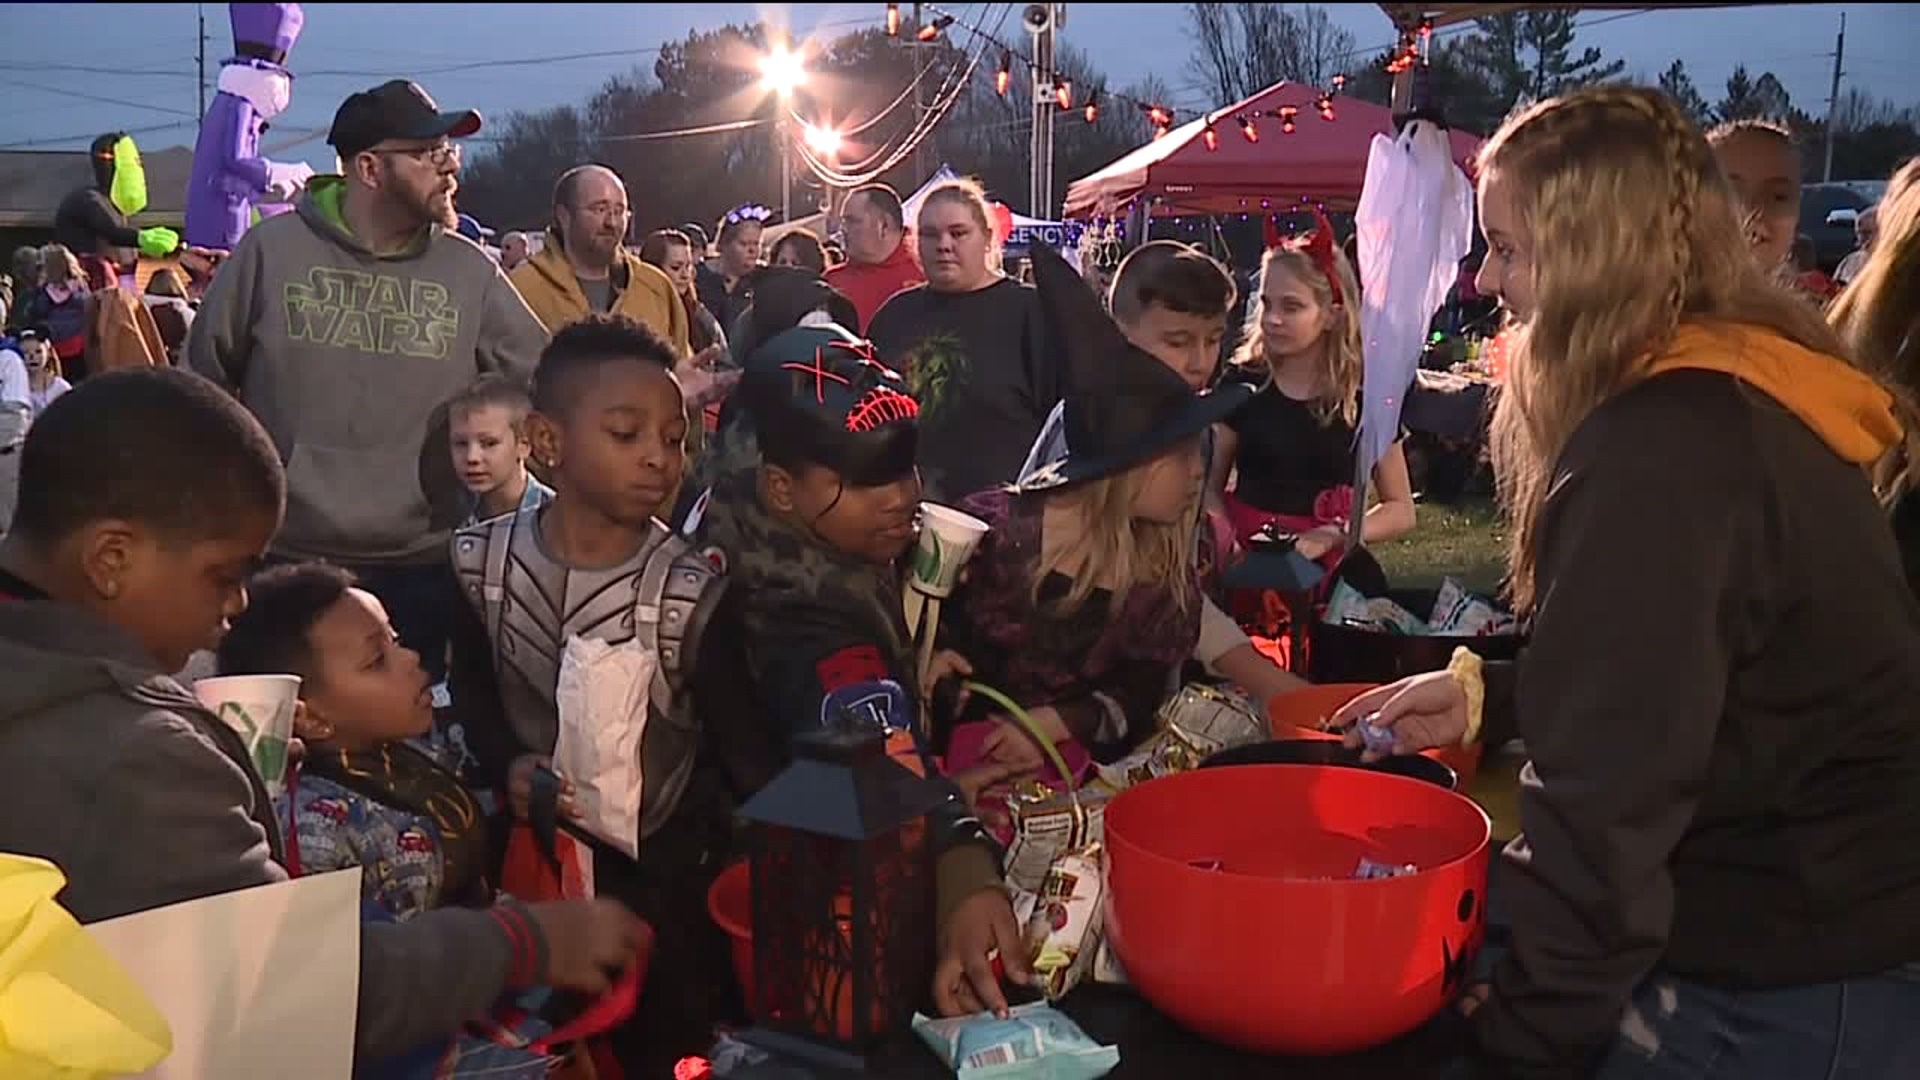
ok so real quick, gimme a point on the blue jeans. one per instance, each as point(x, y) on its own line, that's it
point(1859, 1029)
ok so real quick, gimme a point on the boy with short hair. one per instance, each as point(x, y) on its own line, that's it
point(609, 424)
point(1171, 300)
point(147, 499)
point(487, 428)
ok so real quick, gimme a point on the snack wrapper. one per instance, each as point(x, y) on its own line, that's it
point(1369, 870)
point(1210, 720)
point(1046, 826)
point(1393, 618)
point(1448, 605)
point(1063, 932)
point(1163, 754)
point(1345, 604)
point(1107, 970)
point(1035, 1042)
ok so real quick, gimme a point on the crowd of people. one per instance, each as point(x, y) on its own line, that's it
point(416, 474)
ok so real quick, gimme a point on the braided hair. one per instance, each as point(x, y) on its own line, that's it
point(1632, 230)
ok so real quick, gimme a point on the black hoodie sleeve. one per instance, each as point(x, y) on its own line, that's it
point(1646, 568)
point(811, 655)
point(98, 215)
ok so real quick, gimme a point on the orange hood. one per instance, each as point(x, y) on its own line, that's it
point(1850, 412)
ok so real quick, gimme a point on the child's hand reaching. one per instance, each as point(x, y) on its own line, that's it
point(964, 980)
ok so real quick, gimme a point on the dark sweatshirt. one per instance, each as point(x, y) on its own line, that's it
point(347, 358)
point(1718, 701)
point(113, 772)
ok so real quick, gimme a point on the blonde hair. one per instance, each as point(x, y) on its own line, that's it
point(59, 266)
point(1633, 230)
point(968, 192)
point(1879, 317)
point(1118, 547)
point(1339, 392)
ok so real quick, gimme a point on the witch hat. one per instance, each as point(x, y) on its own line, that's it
point(1123, 406)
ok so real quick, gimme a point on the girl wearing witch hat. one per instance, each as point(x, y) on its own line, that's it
point(1085, 596)
point(1293, 444)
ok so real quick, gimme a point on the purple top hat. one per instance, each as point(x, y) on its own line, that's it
point(265, 31)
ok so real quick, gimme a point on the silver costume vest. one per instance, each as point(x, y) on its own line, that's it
point(531, 604)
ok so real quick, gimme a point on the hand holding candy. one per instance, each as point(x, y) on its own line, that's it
point(1421, 712)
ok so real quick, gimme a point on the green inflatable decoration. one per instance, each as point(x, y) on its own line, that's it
point(129, 193)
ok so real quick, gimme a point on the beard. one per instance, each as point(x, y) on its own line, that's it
point(432, 207)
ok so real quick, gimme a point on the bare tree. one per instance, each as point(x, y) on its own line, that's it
point(1241, 49)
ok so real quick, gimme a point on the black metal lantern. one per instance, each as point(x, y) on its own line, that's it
point(842, 886)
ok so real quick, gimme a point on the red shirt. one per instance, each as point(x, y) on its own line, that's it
point(869, 285)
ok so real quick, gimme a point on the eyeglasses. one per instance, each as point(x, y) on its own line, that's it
point(437, 156)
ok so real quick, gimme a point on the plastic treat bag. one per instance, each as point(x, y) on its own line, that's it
point(602, 698)
point(1448, 606)
point(1210, 720)
point(1047, 824)
point(1346, 604)
point(1035, 1042)
point(1163, 754)
point(1064, 930)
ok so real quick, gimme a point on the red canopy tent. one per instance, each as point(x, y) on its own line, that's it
point(1321, 162)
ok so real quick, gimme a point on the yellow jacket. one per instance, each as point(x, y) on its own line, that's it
point(641, 293)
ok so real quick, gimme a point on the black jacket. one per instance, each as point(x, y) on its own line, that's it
point(1718, 701)
point(88, 223)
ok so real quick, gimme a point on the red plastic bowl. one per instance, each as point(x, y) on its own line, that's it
point(1303, 714)
point(1280, 950)
point(730, 902)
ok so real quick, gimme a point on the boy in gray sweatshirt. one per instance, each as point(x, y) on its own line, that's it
point(346, 327)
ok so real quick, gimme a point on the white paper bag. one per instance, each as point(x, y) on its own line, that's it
point(602, 700)
point(260, 982)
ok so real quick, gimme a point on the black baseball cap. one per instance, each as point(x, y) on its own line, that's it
point(395, 110)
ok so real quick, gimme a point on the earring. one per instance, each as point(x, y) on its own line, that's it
point(110, 589)
point(322, 731)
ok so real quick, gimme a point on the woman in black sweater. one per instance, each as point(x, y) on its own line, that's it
point(1719, 872)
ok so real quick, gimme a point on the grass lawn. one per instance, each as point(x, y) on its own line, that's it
point(1466, 540)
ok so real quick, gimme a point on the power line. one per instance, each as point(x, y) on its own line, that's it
point(101, 98)
point(27, 143)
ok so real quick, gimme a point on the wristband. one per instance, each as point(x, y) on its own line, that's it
point(1465, 670)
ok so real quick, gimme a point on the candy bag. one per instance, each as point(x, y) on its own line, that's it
point(1163, 754)
point(1063, 932)
point(1046, 826)
point(1107, 969)
point(1035, 1042)
point(1210, 720)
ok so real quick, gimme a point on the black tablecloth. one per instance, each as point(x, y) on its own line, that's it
point(1152, 1046)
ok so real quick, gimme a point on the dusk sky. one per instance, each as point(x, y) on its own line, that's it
point(76, 70)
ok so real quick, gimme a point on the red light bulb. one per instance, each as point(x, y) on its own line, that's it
point(1250, 130)
point(1212, 138)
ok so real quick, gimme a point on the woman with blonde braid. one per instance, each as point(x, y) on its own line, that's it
point(1720, 861)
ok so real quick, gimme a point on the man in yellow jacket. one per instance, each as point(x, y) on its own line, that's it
point(585, 268)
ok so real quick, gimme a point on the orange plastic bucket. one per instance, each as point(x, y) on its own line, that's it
point(1233, 907)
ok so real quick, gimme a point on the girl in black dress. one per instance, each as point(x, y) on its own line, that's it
point(1292, 445)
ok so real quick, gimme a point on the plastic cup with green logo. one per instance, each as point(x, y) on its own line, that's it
point(260, 709)
point(947, 540)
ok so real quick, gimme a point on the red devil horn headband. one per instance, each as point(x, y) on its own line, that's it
point(1316, 245)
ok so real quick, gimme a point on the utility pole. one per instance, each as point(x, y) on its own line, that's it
point(201, 11)
point(919, 97)
point(1833, 100)
point(1041, 21)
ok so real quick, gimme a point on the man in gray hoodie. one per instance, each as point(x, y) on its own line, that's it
point(346, 327)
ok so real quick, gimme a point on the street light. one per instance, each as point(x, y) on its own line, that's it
point(822, 140)
point(782, 72)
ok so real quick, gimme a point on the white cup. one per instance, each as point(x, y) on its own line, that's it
point(947, 540)
point(260, 709)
